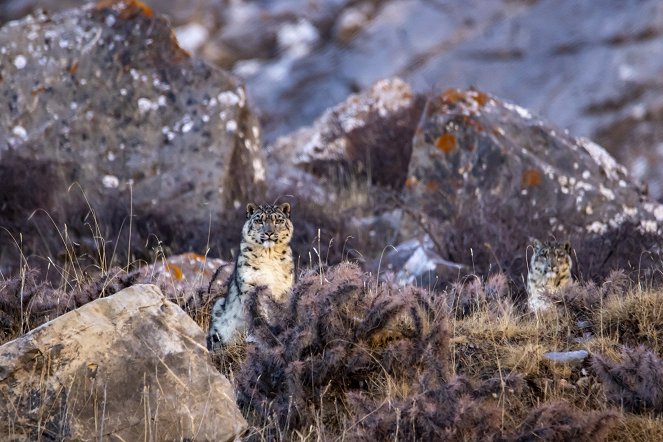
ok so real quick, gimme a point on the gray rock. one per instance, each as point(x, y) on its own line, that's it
point(566, 357)
point(367, 137)
point(123, 367)
point(101, 101)
point(606, 83)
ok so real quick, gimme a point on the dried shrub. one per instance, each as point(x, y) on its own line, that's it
point(476, 295)
point(635, 382)
point(633, 320)
point(558, 421)
point(338, 333)
point(452, 412)
point(627, 248)
point(27, 300)
point(582, 301)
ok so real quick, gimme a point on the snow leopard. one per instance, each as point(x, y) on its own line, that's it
point(265, 259)
point(549, 269)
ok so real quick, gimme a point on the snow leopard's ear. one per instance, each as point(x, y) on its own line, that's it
point(567, 247)
point(250, 208)
point(537, 244)
point(285, 208)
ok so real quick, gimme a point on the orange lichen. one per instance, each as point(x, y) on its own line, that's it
point(481, 98)
point(175, 271)
point(531, 178)
point(126, 9)
point(446, 143)
point(432, 186)
point(411, 181)
point(453, 96)
point(73, 68)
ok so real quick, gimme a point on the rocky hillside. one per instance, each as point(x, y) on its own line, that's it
point(125, 160)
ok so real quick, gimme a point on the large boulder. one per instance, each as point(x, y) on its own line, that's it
point(486, 177)
point(344, 168)
point(105, 115)
point(126, 367)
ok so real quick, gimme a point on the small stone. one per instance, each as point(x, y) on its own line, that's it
point(566, 357)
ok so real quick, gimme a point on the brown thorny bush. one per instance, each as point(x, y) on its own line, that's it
point(372, 361)
point(635, 382)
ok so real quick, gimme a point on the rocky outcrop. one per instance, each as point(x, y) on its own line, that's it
point(486, 177)
point(127, 367)
point(365, 139)
point(301, 58)
point(119, 123)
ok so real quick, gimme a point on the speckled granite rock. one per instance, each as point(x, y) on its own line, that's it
point(131, 366)
point(102, 98)
point(486, 176)
point(366, 137)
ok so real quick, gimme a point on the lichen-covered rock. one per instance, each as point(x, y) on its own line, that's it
point(486, 177)
point(367, 137)
point(102, 101)
point(127, 367)
point(189, 279)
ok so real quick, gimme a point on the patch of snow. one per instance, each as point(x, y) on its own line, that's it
point(231, 126)
point(187, 126)
point(658, 213)
point(20, 61)
point(524, 113)
point(297, 39)
point(648, 226)
point(110, 181)
point(258, 170)
point(607, 193)
point(228, 98)
point(597, 227)
point(146, 105)
point(20, 132)
point(602, 158)
point(191, 36)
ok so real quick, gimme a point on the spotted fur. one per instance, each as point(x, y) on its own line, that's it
point(265, 259)
point(550, 269)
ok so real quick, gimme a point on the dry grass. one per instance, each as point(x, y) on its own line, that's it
point(354, 359)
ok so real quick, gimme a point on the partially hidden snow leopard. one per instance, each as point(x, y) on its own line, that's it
point(265, 259)
point(549, 270)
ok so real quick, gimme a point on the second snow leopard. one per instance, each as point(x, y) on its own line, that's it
point(265, 259)
point(549, 269)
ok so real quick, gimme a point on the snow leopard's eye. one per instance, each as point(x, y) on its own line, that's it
point(278, 221)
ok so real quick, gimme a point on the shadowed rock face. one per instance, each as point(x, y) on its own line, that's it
point(101, 100)
point(124, 366)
